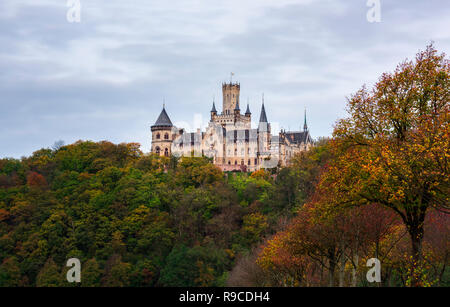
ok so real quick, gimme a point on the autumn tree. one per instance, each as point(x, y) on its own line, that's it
point(394, 148)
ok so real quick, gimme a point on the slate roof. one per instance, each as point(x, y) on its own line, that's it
point(163, 120)
point(299, 137)
point(248, 110)
point(263, 117)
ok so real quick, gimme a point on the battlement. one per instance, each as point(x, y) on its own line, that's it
point(230, 85)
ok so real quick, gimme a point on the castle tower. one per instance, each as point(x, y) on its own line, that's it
point(264, 135)
point(162, 135)
point(230, 93)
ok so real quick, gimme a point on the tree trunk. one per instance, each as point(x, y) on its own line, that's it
point(355, 269)
point(416, 233)
point(332, 268)
point(342, 269)
point(331, 273)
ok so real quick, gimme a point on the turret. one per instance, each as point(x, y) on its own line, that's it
point(213, 110)
point(237, 109)
point(162, 134)
point(248, 113)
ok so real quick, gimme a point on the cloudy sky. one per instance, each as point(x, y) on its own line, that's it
point(105, 78)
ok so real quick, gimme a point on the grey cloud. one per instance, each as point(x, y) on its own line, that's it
point(106, 77)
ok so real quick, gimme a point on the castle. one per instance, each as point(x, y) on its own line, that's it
point(229, 138)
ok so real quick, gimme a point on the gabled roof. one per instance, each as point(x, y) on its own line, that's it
point(163, 120)
point(299, 137)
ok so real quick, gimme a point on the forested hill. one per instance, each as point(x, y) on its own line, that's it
point(135, 219)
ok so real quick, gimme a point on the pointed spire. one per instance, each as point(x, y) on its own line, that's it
point(163, 119)
point(214, 107)
point(305, 126)
point(237, 106)
point(263, 117)
point(248, 109)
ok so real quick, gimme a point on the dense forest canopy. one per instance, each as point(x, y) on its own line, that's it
point(135, 219)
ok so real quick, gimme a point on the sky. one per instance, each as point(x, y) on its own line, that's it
point(106, 77)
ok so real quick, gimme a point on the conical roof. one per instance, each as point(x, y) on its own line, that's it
point(263, 117)
point(214, 108)
point(305, 126)
point(163, 120)
point(248, 109)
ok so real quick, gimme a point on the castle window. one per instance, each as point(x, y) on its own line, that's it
point(158, 150)
point(256, 161)
point(166, 136)
point(248, 162)
point(158, 136)
point(229, 162)
point(166, 152)
point(235, 162)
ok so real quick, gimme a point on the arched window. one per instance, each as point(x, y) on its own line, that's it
point(235, 162)
point(158, 150)
point(166, 136)
point(248, 161)
point(158, 136)
point(229, 162)
point(166, 152)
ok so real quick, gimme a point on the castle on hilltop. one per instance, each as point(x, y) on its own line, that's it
point(229, 138)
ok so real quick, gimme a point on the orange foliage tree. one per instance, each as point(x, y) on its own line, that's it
point(393, 149)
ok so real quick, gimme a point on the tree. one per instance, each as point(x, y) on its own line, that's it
point(50, 275)
point(394, 149)
point(9, 273)
point(36, 180)
point(90, 273)
point(117, 273)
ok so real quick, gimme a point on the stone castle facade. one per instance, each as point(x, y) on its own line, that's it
point(229, 138)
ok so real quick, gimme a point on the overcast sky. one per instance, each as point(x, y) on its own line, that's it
point(105, 78)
